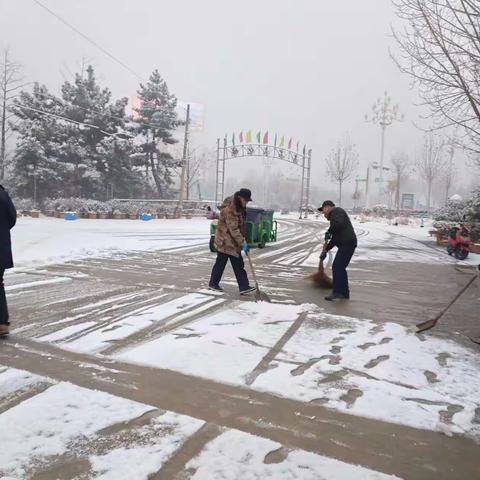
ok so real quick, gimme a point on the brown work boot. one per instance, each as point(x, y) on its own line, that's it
point(4, 330)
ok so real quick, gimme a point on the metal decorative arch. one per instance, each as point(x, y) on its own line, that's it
point(301, 159)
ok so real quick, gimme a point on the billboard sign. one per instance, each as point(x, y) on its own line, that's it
point(408, 201)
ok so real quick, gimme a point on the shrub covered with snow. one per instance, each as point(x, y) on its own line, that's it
point(473, 206)
point(23, 204)
point(452, 211)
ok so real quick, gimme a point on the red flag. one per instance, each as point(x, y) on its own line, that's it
point(265, 138)
point(290, 144)
point(241, 137)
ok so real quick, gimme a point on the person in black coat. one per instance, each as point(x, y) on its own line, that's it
point(8, 218)
point(341, 235)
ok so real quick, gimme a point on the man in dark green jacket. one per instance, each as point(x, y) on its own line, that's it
point(340, 235)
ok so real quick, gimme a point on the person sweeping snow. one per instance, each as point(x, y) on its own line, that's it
point(230, 241)
point(341, 235)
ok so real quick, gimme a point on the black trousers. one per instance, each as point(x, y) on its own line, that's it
point(339, 269)
point(238, 269)
point(3, 301)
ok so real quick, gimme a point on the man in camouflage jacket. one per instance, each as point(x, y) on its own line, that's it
point(230, 240)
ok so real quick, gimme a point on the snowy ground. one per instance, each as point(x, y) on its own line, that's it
point(97, 435)
point(133, 293)
point(49, 240)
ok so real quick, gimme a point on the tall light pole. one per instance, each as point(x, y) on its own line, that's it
point(183, 175)
point(384, 113)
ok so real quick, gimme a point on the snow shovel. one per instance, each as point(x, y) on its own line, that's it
point(259, 295)
point(421, 327)
point(320, 278)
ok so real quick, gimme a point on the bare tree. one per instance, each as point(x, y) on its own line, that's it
point(10, 83)
point(449, 170)
point(197, 162)
point(430, 163)
point(342, 163)
point(440, 50)
point(400, 166)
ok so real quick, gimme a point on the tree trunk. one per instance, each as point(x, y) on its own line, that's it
point(429, 195)
point(340, 194)
point(3, 126)
point(156, 177)
point(397, 196)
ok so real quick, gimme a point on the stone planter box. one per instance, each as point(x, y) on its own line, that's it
point(188, 216)
point(50, 213)
point(119, 216)
point(35, 214)
point(133, 216)
point(475, 248)
point(102, 216)
point(170, 216)
point(92, 216)
point(58, 214)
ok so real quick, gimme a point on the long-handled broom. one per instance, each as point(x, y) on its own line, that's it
point(320, 277)
point(259, 295)
point(422, 327)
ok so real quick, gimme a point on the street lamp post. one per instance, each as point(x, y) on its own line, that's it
point(384, 113)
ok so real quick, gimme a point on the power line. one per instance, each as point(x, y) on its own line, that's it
point(43, 112)
point(88, 39)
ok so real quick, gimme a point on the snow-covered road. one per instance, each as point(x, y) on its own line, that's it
point(138, 298)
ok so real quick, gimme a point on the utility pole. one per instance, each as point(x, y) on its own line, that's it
point(383, 114)
point(184, 161)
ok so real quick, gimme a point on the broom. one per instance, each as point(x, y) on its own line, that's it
point(320, 278)
point(259, 294)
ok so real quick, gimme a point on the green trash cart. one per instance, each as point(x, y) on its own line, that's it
point(262, 228)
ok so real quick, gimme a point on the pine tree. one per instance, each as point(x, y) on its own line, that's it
point(157, 122)
point(86, 102)
point(76, 135)
point(37, 149)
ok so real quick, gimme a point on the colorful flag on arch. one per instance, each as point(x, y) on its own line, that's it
point(265, 138)
point(282, 141)
point(249, 136)
point(258, 137)
point(241, 137)
point(290, 144)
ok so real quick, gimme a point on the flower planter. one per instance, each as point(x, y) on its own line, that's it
point(441, 239)
point(35, 214)
point(58, 214)
point(475, 248)
point(119, 216)
point(92, 216)
point(188, 216)
point(50, 213)
point(102, 216)
point(132, 216)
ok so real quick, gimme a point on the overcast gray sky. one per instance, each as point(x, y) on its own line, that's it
point(309, 69)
